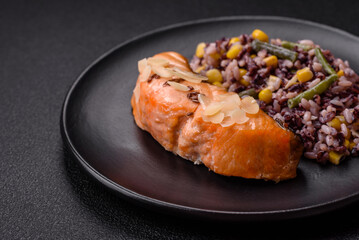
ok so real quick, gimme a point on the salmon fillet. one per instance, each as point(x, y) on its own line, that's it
point(259, 148)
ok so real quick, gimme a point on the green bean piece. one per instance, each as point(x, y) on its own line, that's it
point(249, 92)
point(316, 90)
point(275, 50)
point(292, 45)
point(328, 69)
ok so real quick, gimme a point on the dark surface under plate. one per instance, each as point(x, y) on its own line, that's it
point(99, 128)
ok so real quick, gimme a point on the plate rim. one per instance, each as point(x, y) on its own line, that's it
point(186, 210)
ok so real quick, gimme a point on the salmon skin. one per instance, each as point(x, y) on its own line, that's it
point(259, 149)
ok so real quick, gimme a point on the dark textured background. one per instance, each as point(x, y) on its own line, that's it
point(44, 46)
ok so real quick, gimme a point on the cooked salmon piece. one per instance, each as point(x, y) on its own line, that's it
point(259, 148)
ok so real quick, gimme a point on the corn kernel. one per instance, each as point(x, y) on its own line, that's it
point(215, 56)
point(265, 95)
point(200, 49)
point(260, 35)
point(242, 72)
point(244, 82)
point(233, 40)
point(218, 84)
point(199, 69)
point(304, 75)
point(335, 123)
point(271, 61)
point(214, 75)
point(346, 143)
point(234, 51)
point(340, 73)
point(335, 157)
point(253, 56)
point(352, 145)
point(273, 83)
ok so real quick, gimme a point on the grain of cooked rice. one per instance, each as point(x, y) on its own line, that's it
point(314, 82)
point(307, 116)
point(344, 83)
point(337, 103)
point(317, 67)
point(344, 129)
point(348, 115)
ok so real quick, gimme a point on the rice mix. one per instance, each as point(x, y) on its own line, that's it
point(300, 85)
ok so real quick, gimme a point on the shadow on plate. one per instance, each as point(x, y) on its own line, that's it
point(116, 213)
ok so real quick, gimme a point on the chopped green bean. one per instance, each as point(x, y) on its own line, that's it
point(275, 50)
point(316, 90)
point(328, 69)
point(292, 45)
point(249, 92)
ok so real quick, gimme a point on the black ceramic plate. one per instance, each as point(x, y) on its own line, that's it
point(98, 127)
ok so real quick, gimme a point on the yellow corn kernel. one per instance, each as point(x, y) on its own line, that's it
point(242, 72)
point(335, 157)
point(218, 84)
point(214, 75)
point(199, 69)
point(346, 143)
point(352, 145)
point(253, 56)
point(340, 73)
point(304, 75)
point(335, 123)
point(271, 61)
point(260, 35)
point(244, 82)
point(265, 95)
point(200, 49)
point(233, 40)
point(234, 51)
point(215, 56)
